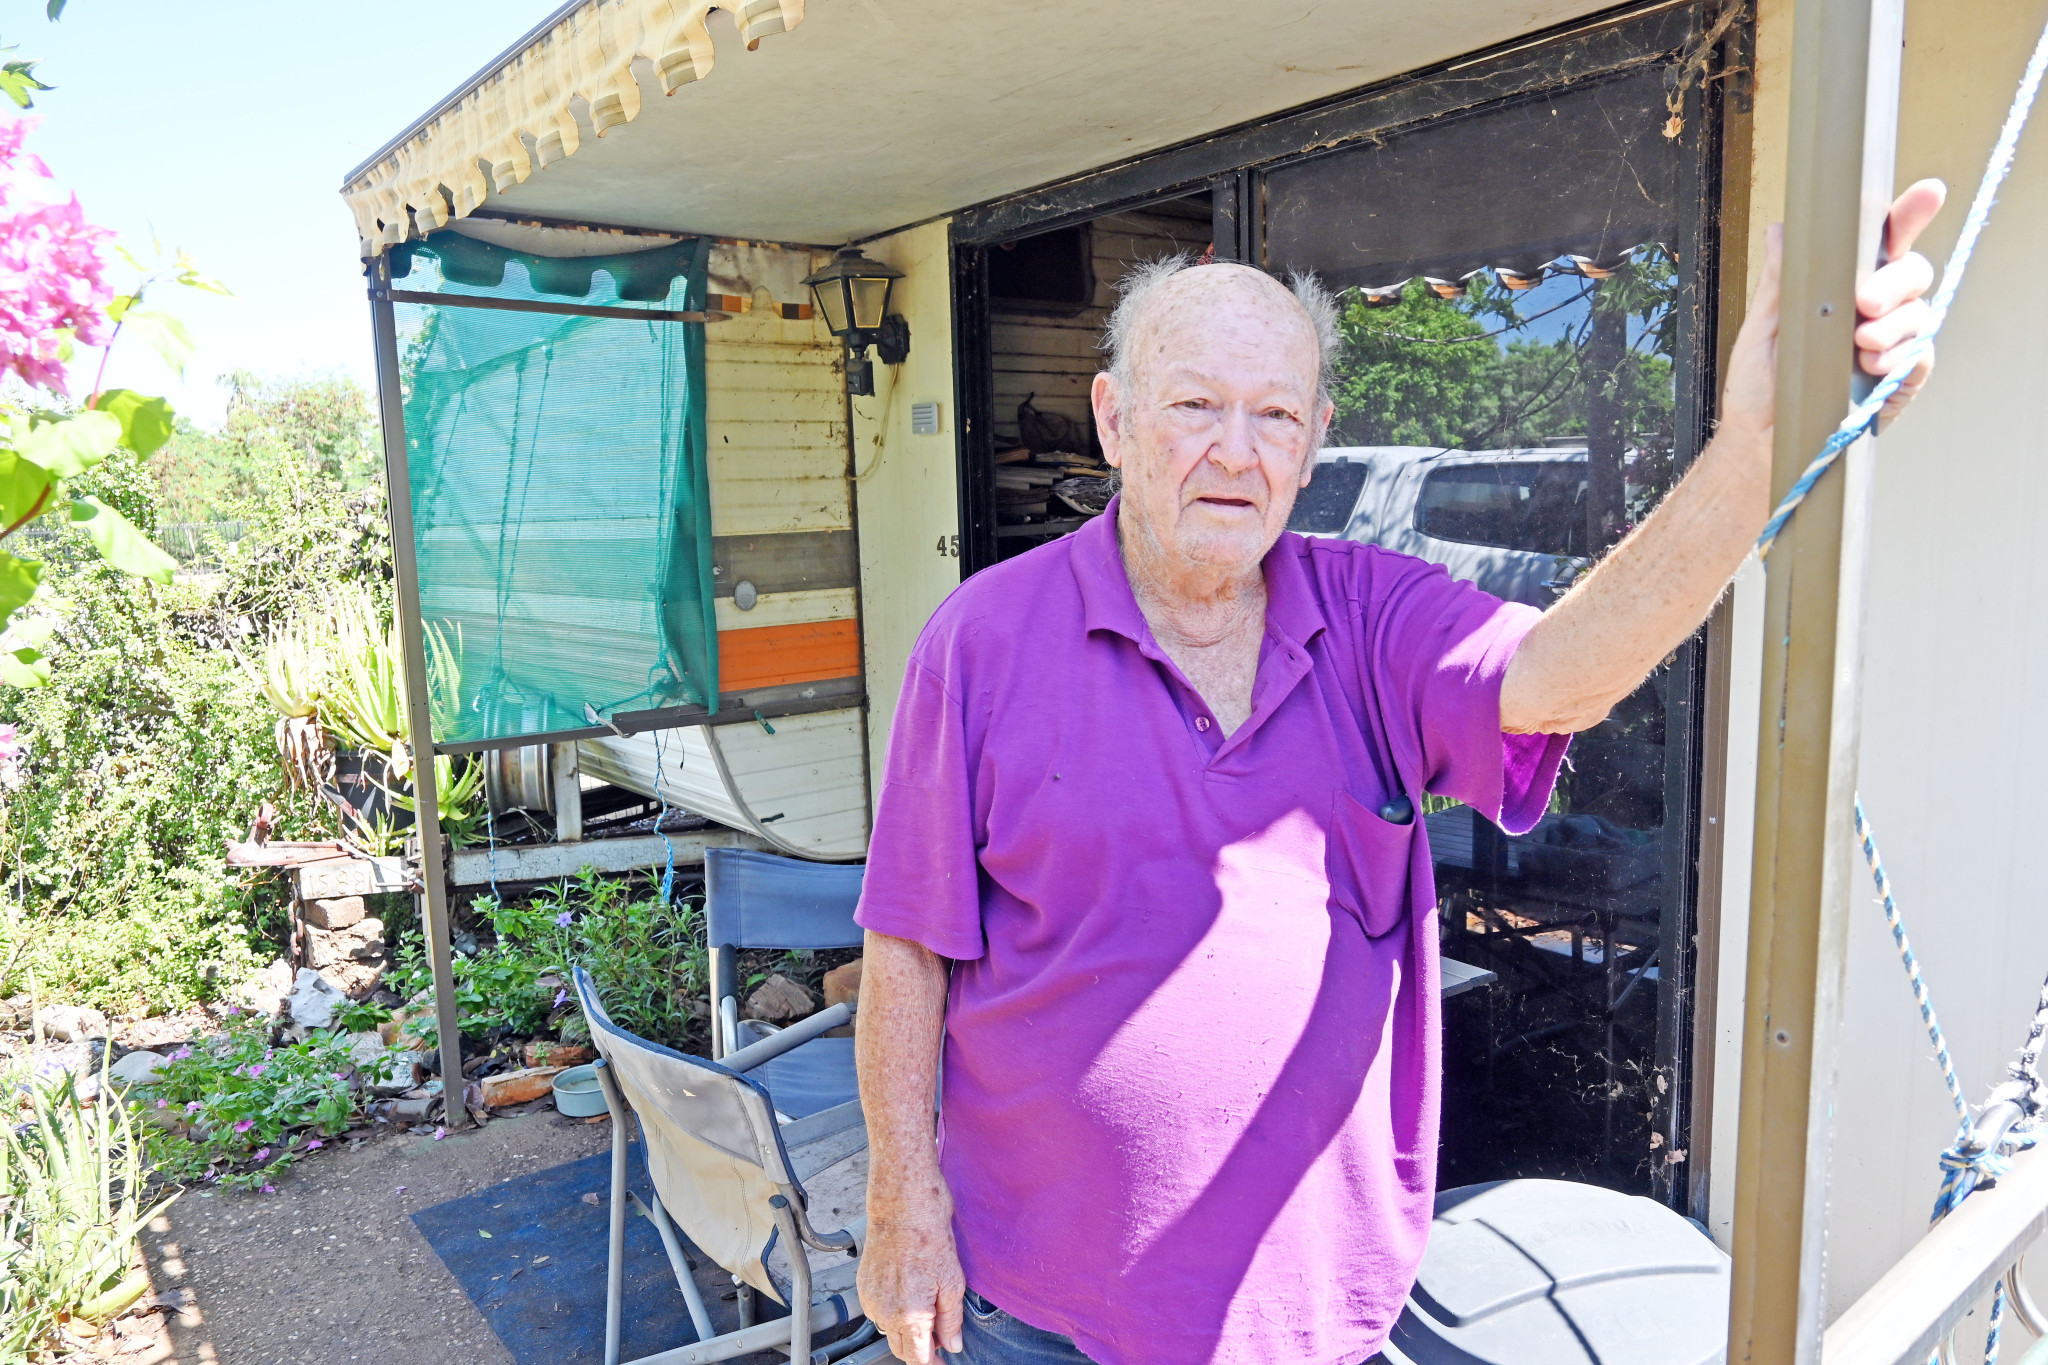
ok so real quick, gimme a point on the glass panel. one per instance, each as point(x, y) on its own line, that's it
point(1324, 507)
point(1528, 505)
point(1508, 372)
point(560, 496)
point(832, 303)
point(870, 300)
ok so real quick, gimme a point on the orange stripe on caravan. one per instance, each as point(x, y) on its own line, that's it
point(769, 656)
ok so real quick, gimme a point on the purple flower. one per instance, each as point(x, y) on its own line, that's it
point(315, 1145)
point(564, 920)
point(193, 1106)
point(255, 1069)
point(179, 1054)
point(560, 996)
point(270, 1189)
point(231, 1011)
point(262, 1154)
point(440, 1133)
point(163, 1104)
point(245, 1125)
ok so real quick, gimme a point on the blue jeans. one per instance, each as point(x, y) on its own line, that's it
point(989, 1336)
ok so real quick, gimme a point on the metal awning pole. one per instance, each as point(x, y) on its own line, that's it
point(1841, 151)
point(419, 731)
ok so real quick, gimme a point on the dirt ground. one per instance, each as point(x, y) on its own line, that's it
point(330, 1269)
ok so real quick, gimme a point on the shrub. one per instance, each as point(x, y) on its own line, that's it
point(236, 1111)
point(647, 958)
point(150, 748)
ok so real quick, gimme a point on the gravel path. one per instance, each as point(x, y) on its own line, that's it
point(330, 1269)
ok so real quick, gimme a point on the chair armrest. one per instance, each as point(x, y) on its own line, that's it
point(781, 1041)
point(728, 1022)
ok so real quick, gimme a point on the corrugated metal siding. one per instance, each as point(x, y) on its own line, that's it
point(1056, 358)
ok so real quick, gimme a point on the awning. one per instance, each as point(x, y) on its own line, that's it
point(519, 113)
point(875, 114)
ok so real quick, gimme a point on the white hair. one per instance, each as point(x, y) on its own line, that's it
point(1136, 288)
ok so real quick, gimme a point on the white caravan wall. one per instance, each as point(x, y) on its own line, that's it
point(908, 487)
point(1954, 738)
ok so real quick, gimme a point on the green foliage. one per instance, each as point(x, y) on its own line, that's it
point(18, 81)
point(150, 748)
point(329, 425)
point(237, 1111)
point(647, 958)
point(71, 1206)
point(1428, 371)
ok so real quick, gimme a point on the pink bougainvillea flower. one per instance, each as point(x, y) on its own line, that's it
point(245, 1125)
point(52, 273)
point(12, 750)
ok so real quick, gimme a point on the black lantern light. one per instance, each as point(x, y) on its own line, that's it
point(853, 295)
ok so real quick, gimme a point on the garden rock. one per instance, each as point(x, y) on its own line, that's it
point(548, 1052)
point(779, 998)
point(398, 1074)
point(314, 999)
point(71, 1023)
point(337, 912)
point(265, 992)
point(137, 1068)
point(842, 984)
point(517, 1087)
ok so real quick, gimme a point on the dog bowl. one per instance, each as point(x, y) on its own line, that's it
point(578, 1094)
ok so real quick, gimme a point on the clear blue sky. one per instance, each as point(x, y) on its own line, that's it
point(225, 128)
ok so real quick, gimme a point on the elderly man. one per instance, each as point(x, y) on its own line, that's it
point(1147, 886)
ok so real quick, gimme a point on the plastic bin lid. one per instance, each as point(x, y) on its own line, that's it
point(1548, 1272)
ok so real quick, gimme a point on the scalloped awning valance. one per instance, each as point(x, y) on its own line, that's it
point(519, 114)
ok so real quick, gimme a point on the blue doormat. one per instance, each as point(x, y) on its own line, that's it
point(538, 1277)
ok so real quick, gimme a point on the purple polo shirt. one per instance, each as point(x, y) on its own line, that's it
point(1191, 1060)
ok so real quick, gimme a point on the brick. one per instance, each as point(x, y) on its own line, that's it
point(517, 1087)
point(337, 912)
point(548, 1052)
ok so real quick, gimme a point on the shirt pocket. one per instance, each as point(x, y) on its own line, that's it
point(1368, 864)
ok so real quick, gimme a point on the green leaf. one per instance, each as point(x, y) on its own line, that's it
point(55, 9)
point(19, 81)
point(161, 331)
point(26, 489)
point(33, 633)
point(192, 277)
point(68, 446)
point(24, 668)
point(119, 543)
point(18, 578)
point(145, 421)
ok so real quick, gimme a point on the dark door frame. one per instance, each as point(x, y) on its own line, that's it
point(1230, 166)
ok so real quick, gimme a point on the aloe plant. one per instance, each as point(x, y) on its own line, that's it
point(71, 1208)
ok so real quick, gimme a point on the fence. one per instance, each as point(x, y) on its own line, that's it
point(196, 545)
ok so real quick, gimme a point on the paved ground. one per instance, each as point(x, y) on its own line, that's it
point(330, 1269)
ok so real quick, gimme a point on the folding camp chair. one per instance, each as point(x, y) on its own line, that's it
point(760, 900)
point(748, 1190)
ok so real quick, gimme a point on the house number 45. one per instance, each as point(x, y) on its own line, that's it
point(949, 546)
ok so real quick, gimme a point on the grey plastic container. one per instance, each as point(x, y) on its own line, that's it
point(1548, 1272)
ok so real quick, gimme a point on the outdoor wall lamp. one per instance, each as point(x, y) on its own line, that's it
point(853, 296)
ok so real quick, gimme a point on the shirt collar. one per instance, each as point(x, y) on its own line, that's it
point(1107, 603)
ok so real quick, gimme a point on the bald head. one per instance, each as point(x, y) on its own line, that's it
point(1164, 300)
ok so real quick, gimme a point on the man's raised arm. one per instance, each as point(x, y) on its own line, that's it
point(1602, 639)
point(910, 1281)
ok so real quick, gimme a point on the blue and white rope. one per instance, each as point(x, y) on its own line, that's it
point(1865, 413)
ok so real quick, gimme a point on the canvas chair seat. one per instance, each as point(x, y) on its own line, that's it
point(719, 1159)
point(818, 1076)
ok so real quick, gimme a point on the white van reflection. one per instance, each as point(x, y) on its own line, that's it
point(1511, 521)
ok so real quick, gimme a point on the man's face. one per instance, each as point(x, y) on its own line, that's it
point(1218, 436)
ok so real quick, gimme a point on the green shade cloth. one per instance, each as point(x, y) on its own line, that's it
point(560, 490)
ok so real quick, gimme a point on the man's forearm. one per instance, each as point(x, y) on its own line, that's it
point(902, 1018)
point(1602, 639)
